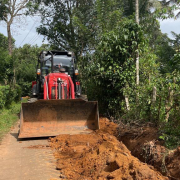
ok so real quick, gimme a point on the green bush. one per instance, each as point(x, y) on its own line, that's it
point(26, 88)
point(8, 95)
point(170, 133)
point(8, 117)
point(4, 92)
point(17, 93)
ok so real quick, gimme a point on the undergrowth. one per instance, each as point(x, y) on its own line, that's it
point(8, 117)
point(170, 133)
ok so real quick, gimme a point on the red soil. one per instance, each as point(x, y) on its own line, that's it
point(99, 156)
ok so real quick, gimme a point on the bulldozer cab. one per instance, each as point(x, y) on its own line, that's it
point(53, 61)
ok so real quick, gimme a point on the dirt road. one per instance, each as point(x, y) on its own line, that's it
point(26, 159)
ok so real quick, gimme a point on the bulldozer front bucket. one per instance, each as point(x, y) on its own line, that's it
point(45, 118)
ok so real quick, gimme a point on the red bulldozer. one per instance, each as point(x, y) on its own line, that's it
point(57, 106)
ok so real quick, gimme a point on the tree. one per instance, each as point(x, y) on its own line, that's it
point(176, 41)
point(110, 72)
point(108, 14)
point(75, 24)
point(147, 18)
point(3, 9)
point(145, 7)
point(170, 3)
point(164, 50)
point(3, 42)
point(6, 71)
point(68, 25)
point(11, 10)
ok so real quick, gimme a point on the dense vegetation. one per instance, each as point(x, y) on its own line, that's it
point(8, 117)
point(106, 40)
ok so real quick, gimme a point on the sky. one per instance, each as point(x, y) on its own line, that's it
point(27, 34)
point(169, 25)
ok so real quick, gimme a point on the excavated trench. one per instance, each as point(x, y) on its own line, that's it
point(115, 152)
point(144, 143)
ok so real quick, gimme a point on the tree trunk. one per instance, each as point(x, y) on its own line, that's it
point(127, 97)
point(169, 104)
point(14, 76)
point(127, 103)
point(10, 50)
point(137, 69)
point(137, 12)
point(137, 54)
point(9, 38)
point(153, 101)
point(154, 94)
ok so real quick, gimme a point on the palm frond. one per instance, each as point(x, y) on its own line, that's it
point(174, 34)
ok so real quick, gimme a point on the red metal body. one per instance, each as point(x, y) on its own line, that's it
point(51, 84)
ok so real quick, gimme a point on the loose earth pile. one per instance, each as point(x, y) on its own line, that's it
point(99, 156)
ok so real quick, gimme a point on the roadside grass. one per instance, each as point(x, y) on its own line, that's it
point(8, 117)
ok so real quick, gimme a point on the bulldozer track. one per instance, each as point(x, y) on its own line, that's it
point(26, 159)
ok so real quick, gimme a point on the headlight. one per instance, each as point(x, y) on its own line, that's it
point(76, 72)
point(38, 71)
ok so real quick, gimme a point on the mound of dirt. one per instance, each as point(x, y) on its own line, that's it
point(99, 156)
point(108, 127)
